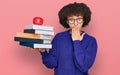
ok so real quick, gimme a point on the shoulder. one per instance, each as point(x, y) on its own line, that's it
point(89, 37)
point(62, 34)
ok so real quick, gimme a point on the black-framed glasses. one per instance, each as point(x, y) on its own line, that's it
point(72, 20)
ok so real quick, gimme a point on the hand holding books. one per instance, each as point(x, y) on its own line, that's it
point(41, 50)
point(38, 49)
point(36, 35)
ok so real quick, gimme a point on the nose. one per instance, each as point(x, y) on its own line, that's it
point(75, 23)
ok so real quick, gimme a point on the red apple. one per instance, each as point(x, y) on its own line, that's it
point(38, 21)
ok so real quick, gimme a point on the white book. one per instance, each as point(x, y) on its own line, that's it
point(48, 37)
point(41, 27)
point(42, 46)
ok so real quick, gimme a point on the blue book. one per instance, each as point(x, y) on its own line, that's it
point(35, 45)
point(45, 41)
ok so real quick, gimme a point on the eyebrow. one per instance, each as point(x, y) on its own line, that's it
point(73, 18)
point(77, 16)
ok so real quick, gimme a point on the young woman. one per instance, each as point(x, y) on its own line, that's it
point(73, 51)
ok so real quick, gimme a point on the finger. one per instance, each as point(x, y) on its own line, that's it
point(38, 49)
point(41, 49)
point(76, 28)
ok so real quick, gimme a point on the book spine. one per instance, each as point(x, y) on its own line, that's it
point(32, 40)
point(26, 44)
point(39, 32)
point(33, 36)
point(28, 35)
point(29, 31)
point(34, 45)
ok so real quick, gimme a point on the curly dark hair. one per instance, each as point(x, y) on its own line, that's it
point(74, 9)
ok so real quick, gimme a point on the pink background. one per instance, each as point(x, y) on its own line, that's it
point(16, 14)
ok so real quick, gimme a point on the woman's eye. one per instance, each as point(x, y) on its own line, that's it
point(71, 19)
point(79, 19)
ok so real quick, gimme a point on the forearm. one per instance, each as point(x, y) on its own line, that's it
point(84, 57)
point(48, 60)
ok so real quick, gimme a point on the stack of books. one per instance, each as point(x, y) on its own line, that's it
point(35, 36)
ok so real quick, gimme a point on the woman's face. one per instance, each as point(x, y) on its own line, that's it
point(73, 21)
